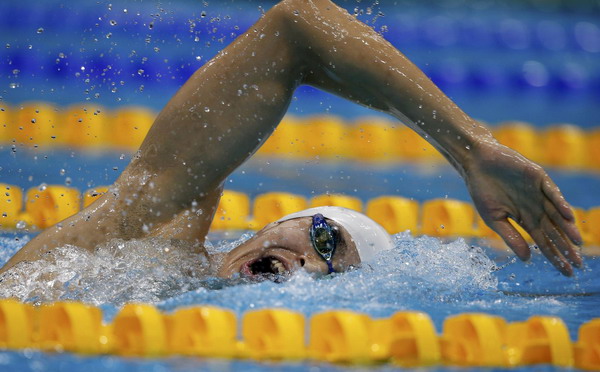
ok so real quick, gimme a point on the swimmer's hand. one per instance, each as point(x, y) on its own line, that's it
point(504, 184)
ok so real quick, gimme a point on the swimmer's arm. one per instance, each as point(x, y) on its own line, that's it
point(349, 59)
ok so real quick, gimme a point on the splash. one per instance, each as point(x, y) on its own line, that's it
point(147, 270)
point(419, 271)
point(151, 271)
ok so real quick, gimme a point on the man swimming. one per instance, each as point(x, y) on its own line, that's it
point(230, 106)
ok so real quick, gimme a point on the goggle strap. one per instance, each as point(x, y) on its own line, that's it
point(330, 267)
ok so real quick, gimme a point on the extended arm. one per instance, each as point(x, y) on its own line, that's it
point(348, 58)
point(229, 107)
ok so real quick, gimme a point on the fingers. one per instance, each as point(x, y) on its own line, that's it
point(568, 227)
point(512, 238)
point(551, 252)
point(553, 193)
point(552, 243)
point(557, 239)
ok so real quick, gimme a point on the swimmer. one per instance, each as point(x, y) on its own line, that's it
point(230, 106)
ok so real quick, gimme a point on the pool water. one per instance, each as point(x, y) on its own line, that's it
point(486, 55)
point(420, 274)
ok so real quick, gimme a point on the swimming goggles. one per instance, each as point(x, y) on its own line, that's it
point(323, 238)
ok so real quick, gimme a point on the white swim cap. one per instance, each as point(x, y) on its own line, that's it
point(368, 236)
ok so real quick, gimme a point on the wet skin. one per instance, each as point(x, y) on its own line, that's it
point(289, 243)
point(229, 107)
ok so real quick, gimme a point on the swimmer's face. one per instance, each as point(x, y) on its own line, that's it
point(281, 248)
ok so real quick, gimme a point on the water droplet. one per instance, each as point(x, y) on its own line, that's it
point(62, 172)
point(40, 30)
point(21, 225)
point(203, 14)
point(68, 181)
point(108, 36)
point(113, 22)
point(33, 121)
point(140, 72)
point(206, 109)
point(156, 49)
point(43, 187)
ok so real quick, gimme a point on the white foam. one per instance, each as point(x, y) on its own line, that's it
point(150, 271)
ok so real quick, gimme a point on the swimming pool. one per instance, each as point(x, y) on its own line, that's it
point(509, 60)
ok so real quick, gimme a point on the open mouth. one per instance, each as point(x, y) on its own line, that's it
point(269, 267)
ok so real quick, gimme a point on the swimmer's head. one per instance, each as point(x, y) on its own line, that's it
point(319, 240)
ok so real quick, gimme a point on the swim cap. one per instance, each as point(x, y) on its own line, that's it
point(368, 236)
